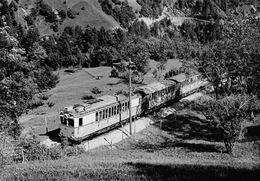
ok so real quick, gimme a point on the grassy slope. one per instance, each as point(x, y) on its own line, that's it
point(152, 154)
point(92, 15)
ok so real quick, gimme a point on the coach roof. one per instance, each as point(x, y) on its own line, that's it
point(148, 89)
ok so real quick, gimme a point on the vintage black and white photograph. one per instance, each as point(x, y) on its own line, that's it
point(129, 90)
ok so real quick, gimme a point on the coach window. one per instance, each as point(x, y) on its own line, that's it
point(71, 122)
point(109, 115)
point(117, 109)
point(62, 120)
point(123, 106)
point(96, 116)
point(126, 106)
point(114, 110)
point(104, 114)
point(100, 115)
point(80, 121)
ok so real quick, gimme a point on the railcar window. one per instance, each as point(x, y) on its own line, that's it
point(104, 114)
point(109, 112)
point(62, 120)
point(71, 122)
point(126, 105)
point(96, 116)
point(123, 106)
point(117, 109)
point(80, 121)
point(114, 110)
point(100, 115)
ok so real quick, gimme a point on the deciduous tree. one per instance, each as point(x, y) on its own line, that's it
point(227, 116)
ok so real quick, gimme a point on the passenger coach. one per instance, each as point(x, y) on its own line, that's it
point(83, 120)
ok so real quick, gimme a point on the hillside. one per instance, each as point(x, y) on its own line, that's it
point(112, 14)
point(87, 12)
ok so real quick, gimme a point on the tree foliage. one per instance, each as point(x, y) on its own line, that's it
point(227, 116)
point(231, 64)
point(135, 48)
point(21, 76)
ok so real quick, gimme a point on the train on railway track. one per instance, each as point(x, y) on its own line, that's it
point(98, 115)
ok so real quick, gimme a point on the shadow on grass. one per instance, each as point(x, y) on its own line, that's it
point(167, 143)
point(53, 135)
point(194, 172)
point(190, 127)
point(116, 83)
point(253, 131)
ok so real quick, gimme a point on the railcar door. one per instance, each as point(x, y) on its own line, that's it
point(145, 104)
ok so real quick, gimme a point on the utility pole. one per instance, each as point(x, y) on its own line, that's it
point(130, 82)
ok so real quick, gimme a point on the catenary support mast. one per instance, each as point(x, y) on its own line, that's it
point(130, 93)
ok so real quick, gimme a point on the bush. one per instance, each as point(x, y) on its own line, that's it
point(50, 104)
point(71, 13)
point(54, 27)
point(47, 12)
point(73, 151)
point(43, 96)
point(7, 150)
point(87, 97)
point(95, 90)
point(36, 102)
point(33, 150)
point(62, 14)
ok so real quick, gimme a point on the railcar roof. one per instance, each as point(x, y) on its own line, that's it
point(98, 103)
point(179, 78)
point(150, 88)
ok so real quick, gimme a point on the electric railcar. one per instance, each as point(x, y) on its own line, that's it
point(103, 113)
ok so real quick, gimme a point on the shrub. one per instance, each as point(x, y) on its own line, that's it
point(62, 14)
point(7, 150)
point(95, 90)
point(47, 12)
point(87, 97)
point(69, 71)
point(114, 72)
point(54, 27)
point(71, 13)
point(73, 151)
point(43, 96)
point(50, 104)
point(33, 150)
point(36, 102)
